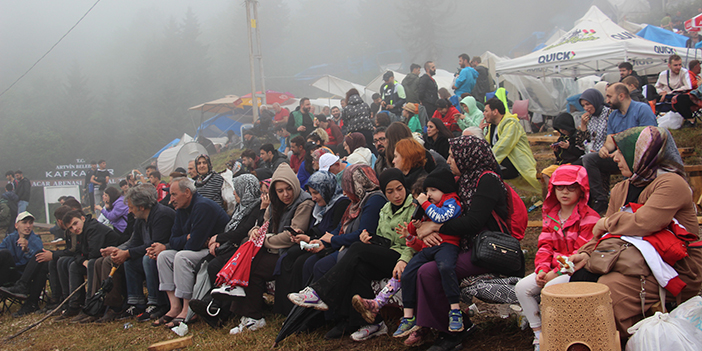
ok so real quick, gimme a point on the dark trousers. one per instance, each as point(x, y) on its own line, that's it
point(317, 267)
point(290, 278)
point(598, 172)
point(445, 256)
point(62, 265)
point(76, 271)
point(101, 270)
point(352, 275)
point(34, 277)
point(8, 271)
point(55, 282)
point(262, 268)
point(509, 172)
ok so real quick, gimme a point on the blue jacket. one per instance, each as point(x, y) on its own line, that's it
point(21, 258)
point(202, 219)
point(466, 81)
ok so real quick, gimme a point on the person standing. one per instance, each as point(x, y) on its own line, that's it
point(22, 189)
point(392, 93)
point(465, 81)
point(301, 121)
point(88, 185)
point(428, 90)
point(411, 83)
point(100, 180)
point(483, 83)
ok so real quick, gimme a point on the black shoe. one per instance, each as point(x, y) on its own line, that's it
point(68, 314)
point(338, 331)
point(453, 341)
point(131, 312)
point(146, 315)
point(19, 290)
point(207, 312)
point(26, 309)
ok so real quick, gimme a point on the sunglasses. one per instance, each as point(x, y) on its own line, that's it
point(570, 187)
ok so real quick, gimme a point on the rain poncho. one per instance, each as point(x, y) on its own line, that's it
point(473, 114)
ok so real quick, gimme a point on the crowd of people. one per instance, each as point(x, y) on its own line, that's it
point(394, 190)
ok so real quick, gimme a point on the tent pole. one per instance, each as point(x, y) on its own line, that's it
point(259, 53)
point(252, 64)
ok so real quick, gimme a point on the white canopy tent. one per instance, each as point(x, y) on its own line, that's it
point(595, 45)
point(179, 155)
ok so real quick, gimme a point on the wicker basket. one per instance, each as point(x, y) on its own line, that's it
point(577, 316)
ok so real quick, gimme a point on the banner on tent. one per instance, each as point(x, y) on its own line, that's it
point(576, 36)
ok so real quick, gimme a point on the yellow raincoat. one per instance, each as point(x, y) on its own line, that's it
point(512, 143)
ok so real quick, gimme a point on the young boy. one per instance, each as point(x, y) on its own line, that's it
point(567, 149)
point(440, 204)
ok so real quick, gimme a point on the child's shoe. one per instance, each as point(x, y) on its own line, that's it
point(455, 321)
point(407, 326)
point(367, 308)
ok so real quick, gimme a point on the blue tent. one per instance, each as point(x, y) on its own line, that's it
point(218, 125)
point(169, 145)
point(662, 36)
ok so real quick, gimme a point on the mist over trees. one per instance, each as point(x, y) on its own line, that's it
point(118, 88)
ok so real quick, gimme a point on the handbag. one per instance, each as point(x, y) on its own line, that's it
point(498, 251)
point(613, 254)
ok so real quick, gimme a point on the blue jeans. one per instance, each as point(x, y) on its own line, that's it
point(136, 271)
point(445, 256)
point(22, 206)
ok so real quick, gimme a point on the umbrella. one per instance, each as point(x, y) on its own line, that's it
point(221, 105)
point(94, 304)
point(271, 98)
point(299, 319)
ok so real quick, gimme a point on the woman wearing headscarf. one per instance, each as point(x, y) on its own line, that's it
point(656, 183)
point(357, 117)
point(379, 255)
point(207, 182)
point(482, 191)
point(472, 115)
point(410, 158)
point(437, 137)
point(593, 123)
point(330, 204)
point(316, 154)
point(355, 145)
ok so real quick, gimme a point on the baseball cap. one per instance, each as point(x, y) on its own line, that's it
point(24, 215)
point(387, 75)
point(326, 161)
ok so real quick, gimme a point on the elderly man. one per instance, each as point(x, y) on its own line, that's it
point(192, 170)
point(599, 165)
point(196, 220)
point(153, 224)
point(281, 115)
point(17, 260)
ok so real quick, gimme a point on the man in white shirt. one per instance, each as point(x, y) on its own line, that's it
point(674, 79)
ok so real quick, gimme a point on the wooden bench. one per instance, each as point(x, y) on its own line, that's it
point(694, 174)
point(542, 139)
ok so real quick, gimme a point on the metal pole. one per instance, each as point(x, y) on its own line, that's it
point(260, 53)
point(252, 65)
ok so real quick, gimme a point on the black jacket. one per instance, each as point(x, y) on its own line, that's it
point(22, 189)
point(643, 81)
point(483, 84)
point(411, 84)
point(428, 92)
point(155, 229)
point(95, 236)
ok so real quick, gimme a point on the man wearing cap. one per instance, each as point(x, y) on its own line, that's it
point(17, 260)
point(392, 94)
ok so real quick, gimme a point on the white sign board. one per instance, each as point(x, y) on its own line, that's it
point(52, 194)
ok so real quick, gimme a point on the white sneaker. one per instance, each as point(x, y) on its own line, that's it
point(248, 324)
point(370, 331)
point(308, 298)
point(226, 292)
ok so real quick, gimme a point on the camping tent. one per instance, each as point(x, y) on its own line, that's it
point(443, 78)
point(662, 36)
point(217, 126)
point(337, 86)
point(179, 156)
point(595, 46)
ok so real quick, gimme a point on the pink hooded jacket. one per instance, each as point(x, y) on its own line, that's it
point(564, 239)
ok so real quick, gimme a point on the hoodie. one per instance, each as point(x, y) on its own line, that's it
point(564, 121)
point(296, 215)
point(473, 115)
point(564, 239)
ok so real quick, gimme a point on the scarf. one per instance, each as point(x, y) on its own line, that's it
point(325, 183)
point(649, 151)
point(359, 182)
point(595, 98)
point(202, 179)
point(354, 141)
point(388, 176)
point(473, 156)
point(247, 188)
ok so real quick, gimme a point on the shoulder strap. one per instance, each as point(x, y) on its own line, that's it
point(500, 222)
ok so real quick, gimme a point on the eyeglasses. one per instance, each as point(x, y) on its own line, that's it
point(379, 139)
point(570, 187)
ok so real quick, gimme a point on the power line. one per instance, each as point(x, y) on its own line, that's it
point(52, 47)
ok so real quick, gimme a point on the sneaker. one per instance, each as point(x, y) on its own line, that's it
point(159, 312)
point(367, 308)
point(338, 331)
point(109, 316)
point(370, 331)
point(226, 292)
point(452, 341)
point(308, 298)
point(455, 321)
point(417, 337)
point(407, 326)
point(248, 324)
point(19, 290)
point(131, 312)
point(146, 314)
point(536, 344)
point(67, 314)
point(26, 309)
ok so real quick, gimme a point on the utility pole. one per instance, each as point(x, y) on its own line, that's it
point(252, 23)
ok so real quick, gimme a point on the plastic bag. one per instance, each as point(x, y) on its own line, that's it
point(671, 120)
point(691, 311)
point(663, 332)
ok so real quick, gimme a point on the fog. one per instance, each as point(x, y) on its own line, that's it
point(119, 85)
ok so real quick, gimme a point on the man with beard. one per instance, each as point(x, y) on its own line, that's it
point(392, 93)
point(381, 143)
point(599, 165)
point(428, 90)
point(626, 69)
point(411, 83)
point(673, 82)
point(466, 77)
point(297, 146)
point(484, 83)
point(301, 121)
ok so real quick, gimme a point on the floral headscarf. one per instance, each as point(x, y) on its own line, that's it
point(247, 188)
point(359, 182)
point(649, 151)
point(473, 156)
point(325, 183)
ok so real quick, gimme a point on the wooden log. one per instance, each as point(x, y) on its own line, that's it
point(534, 224)
point(686, 151)
point(168, 345)
point(542, 139)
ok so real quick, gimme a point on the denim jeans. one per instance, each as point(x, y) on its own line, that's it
point(136, 271)
point(22, 206)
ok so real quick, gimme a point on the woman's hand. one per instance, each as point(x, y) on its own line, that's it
point(599, 229)
point(399, 268)
point(265, 201)
point(212, 245)
point(427, 228)
point(584, 119)
point(579, 260)
point(316, 249)
point(253, 233)
point(433, 239)
point(98, 208)
point(365, 237)
point(327, 237)
point(564, 144)
point(300, 237)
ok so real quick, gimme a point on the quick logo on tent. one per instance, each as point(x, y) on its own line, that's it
point(623, 36)
point(576, 36)
point(664, 50)
point(558, 56)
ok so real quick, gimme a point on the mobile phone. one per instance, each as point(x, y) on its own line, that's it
point(291, 230)
point(418, 211)
point(555, 144)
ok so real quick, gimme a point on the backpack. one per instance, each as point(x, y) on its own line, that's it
point(516, 211)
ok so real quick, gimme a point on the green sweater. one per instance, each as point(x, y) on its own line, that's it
point(387, 223)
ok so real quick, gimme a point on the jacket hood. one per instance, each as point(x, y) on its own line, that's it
point(284, 174)
point(355, 100)
point(565, 175)
point(565, 121)
point(472, 106)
